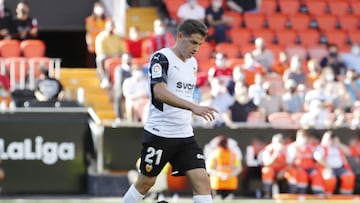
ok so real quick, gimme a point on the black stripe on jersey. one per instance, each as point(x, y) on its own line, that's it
point(161, 59)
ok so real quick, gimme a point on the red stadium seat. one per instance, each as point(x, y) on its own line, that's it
point(309, 37)
point(337, 37)
point(300, 22)
point(286, 37)
point(277, 21)
point(240, 36)
point(317, 7)
point(289, 7)
point(326, 22)
point(355, 7)
point(205, 52)
point(32, 48)
point(10, 48)
point(231, 50)
point(292, 50)
point(173, 6)
point(317, 52)
point(355, 36)
point(338, 7)
point(268, 35)
point(236, 19)
point(349, 22)
point(254, 21)
point(268, 6)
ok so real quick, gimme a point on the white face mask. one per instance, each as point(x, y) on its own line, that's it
point(217, 4)
point(220, 62)
point(355, 50)
point(159, 30)
point(238, 76)
point(330, 77)
point(98, 11)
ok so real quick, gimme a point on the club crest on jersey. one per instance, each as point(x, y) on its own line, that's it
point(148, 168)
point(156, 71)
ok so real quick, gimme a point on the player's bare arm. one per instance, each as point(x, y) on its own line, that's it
point(162, 94)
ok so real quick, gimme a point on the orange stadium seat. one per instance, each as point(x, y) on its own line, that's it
point(355, 7)
point(309, 37)
point(317, 7)
point(277, 21)
point(276, 49)
point(240, 36)
point(338, 7)
point(268, 35)
point(10, 48)
point(231, 50)
point(236, 19)
point(33, 48)
point(255, 117)
point(349, 22)
point(204, 66)
point(300, 21)
point(110, 64)
point(173, 6)
point(354, 36)
point(337, 37)
point(204, 3)
point(268, 6)
point(326, 22)
point(254, 21)
point(280, 119)
point(205, 52)
point(299, 50)
point(317, 51)
point(289, 7)
point(286, 37)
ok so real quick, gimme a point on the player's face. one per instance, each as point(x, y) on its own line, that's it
point(190, 45)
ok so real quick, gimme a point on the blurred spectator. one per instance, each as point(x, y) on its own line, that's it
point(221, 70)
point(121, 72)
point(352, 84)
point(292, 102)
point(354, 146)
point(263, 55)
point(317, 117)
point(224, 166)
point(107, 44)
point(355, 121)
point(251, 68)
point(5, 93)
point(220, 99)
point(240, 109)
point(271, 102)
point(135, 43)
point(242, 6)
point(6, 19)
point(334, 60)
point(163, 13)
point(302, 169)
point(4, 80)
point(25, 27)
point(314, 71)
point(320, 93)
point(295, 71)
point(281, 64)
point(352, 59)
point(333, 164)
point(253, 161)
point(340, 118)
point(48, 88)
point(216, 20)
point(191, 10)
point(94, 24)
point(257, 91)
point(274, 164)
point(160, 38)
point(136, 94)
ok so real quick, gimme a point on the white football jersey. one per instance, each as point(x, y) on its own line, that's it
point(165, 120)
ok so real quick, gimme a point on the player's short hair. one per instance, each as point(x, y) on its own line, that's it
point(190, 26)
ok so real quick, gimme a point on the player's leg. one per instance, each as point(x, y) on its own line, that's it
point(200, 182)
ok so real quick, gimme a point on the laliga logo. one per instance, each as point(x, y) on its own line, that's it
point(48, 152)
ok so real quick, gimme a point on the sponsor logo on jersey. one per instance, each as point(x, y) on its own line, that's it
point(200, 156)
point(156, 71)
point(184, 85)
point(148, 168)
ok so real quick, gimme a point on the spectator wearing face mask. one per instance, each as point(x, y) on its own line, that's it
point(292, 101)
point(160, 38)
point(334, 60)
point(352, 84)
point(191, 10)
point(295, 71)
point(352, 59)
point(251, 68)
point(221, 70)
point(263, 55)
point(216, 20)
point(25, 26)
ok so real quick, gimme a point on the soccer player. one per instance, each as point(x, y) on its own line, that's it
point(168, 133)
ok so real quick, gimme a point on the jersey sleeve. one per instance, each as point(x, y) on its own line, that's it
point(158, 71)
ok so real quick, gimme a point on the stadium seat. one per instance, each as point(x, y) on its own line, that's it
point(204, 3)
point(289, 7)
point(237, 19)
point(240, 36)
point(254, 21)
point(277, 21)
point(255, 117)
point(309, 37)
point(338, 7)
point(110, 65)
point(318, 7)
point(10, 48)
point(299, 50)
point(231, 50)
point(205, 52)
point(355, 7)
point(354, 36)
point(349, 22)
point(204, 66)
point(268, 35)
point(280, 120)
point(173, 6)
point(326, 22)
point(337, 37)
point(32, 48)
point(268, 6)
point(317, 52)
point(300, 22)
point(286, 37)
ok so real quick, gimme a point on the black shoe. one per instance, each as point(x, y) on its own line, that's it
point(163, 201)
